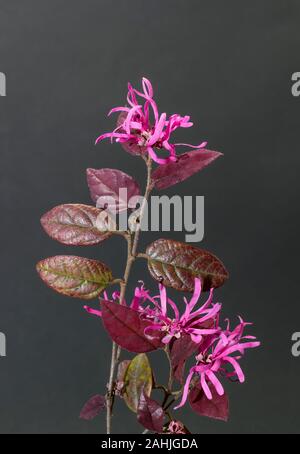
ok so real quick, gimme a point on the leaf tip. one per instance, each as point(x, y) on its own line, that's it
point(93, 407)
point(38, 266)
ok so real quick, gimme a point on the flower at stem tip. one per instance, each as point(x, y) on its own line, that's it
point(142, 130)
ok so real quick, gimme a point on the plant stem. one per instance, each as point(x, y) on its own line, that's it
point(115, 353)
point(149, 187)
point(171, 376)
point(132, 245)
point(109, 396)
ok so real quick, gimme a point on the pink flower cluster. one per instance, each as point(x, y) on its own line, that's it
point(215, 354)
point(196, 324)
point(216, 348)
point(141, 129)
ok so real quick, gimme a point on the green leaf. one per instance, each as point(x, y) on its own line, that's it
point(138, 379)
point(122, 368)
point(75, 276)
point(177, 264)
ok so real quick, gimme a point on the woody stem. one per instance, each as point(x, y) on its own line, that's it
point(132, 245)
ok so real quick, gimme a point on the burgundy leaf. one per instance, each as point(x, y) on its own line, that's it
point(176, 265)
point(133, 148)
point(186, 165)
point(126, 328)
point(217, 407)
point(180, 350)
point(150, 414)
point(93, 407)
point(75, 276)
point(74, 224)
point(106, 183)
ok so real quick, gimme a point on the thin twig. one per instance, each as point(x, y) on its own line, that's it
point(142, 256)
point(117, 281)
point(115, 348)
point(109, 396)
point(169, 404)
point(171, 376)
point(131, 256)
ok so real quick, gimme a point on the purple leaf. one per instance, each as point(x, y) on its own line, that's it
point(126, 327)
point(133, 148)
point(176, 265)
point(180, 350)
point(150, 414)
point(74, 224)
point(216, 408)
point(93, 407)
point(106, 183)
point(186, 165)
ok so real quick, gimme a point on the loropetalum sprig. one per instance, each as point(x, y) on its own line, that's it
point(183, 327)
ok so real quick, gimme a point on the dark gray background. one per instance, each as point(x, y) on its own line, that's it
point(227, 64)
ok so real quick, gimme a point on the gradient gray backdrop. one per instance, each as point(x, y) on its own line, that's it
point(228, 65)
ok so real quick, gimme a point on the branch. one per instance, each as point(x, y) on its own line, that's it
point(132, 245)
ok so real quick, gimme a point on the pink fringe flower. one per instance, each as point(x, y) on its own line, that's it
point(215, 355)
point(141, 129)
point(217, 348)
point(197, 324)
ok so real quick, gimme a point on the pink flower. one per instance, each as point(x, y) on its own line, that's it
point(97, 312)
point(197, 324)
point(141, 128)
point(176, 427)
point(215, 355)
point(140, 296)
